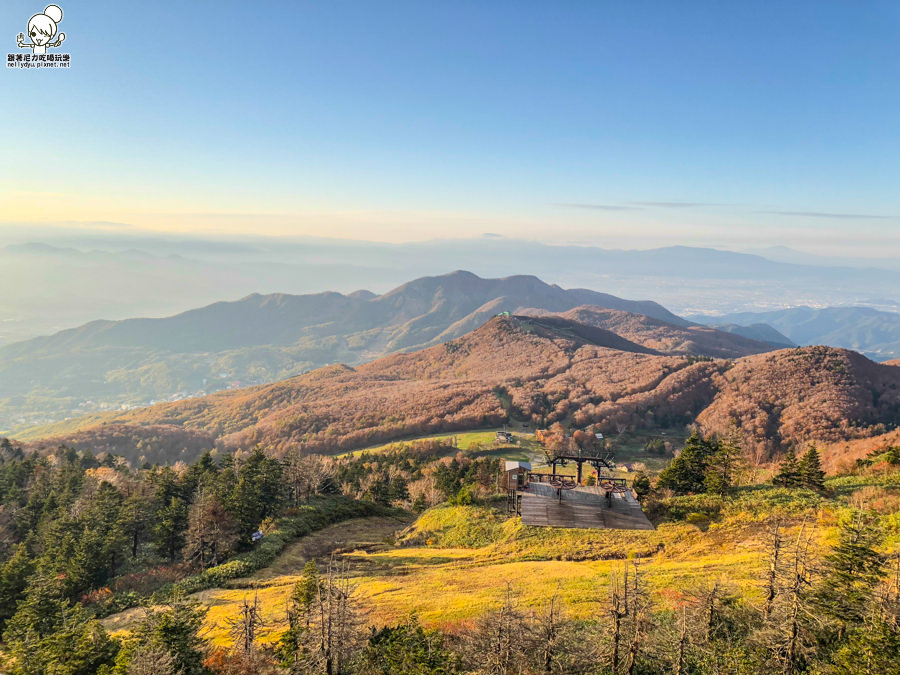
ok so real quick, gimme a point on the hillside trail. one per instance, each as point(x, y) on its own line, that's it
point(359, 534)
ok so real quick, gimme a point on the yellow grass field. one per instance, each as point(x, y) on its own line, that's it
point(480, 442)
point(450, 586)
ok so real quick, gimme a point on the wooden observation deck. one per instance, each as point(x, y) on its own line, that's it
point(557, 500)
point(543, 505)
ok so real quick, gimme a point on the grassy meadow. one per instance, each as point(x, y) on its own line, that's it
point(453, 563)
point(628, 448)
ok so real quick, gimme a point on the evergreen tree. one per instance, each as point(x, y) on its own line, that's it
point(50, 635)
point(407, 649)
point(257, 492)
point(175, 629)
point(686, 473)
point(294, 646)
point(851, 573)
point(104, 540)
point(168, 534)
point(788, 471)
point(135, 522)
point(14, 575)
point(398, 489)
point(809, 470)
point(641, 486)
point(873, 649)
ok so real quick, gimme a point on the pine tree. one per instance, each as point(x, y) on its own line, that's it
point(809, 469)
point(257, 491)
point(14, 575)
point(407, 649)
point(687, 472)
point(168, 534)
point(788, 471)
point(641, 486)
point(176, 629)
point(50, 635)
point(294, 646)
point(851, 573)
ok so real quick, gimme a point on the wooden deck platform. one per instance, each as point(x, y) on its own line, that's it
point(583, 507)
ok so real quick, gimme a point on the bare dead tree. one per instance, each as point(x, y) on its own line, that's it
point(498, 643)
point(774, 553)
point(785, 634)
point(153, 660)
point(682, 644)
point(336, 620)
point(244, 628)
point(549, 633)
point(618, 611)
point(630, 620)
point(711, 614)
point(212, 533)
point(640, 623)
point(306, 474)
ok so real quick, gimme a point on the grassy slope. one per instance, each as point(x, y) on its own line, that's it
point(628, 447)
point(454, 562)
point(480, 443)
point(447, 585)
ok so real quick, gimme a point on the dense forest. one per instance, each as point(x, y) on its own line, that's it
point(83, 536)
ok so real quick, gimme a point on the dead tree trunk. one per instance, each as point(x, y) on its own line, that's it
point(771, 585)
point(682, 643)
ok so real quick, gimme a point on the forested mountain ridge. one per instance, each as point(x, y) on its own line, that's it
point(535, 370)
point(104, 365)
point(804, 394)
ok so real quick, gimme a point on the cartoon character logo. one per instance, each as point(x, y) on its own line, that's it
point(42, 28)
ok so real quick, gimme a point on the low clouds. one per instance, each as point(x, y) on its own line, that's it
point(601, 207)
point(820, 214)
point(638, 206)
point(675, 205)
point(643, 206)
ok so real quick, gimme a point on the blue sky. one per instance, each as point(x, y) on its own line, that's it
point(629, 123)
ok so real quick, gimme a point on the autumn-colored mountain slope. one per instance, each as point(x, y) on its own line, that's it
point(534, 369)
point(803, 394)
point(257, 340)
point(660, 335)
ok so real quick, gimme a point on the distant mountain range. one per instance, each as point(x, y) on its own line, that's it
point(528, 369)
point(869, 331)
point(667, 338)
point(68, 280)
point(757, 331)
point(264, 338)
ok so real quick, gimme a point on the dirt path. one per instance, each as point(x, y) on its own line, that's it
point(359, 534)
